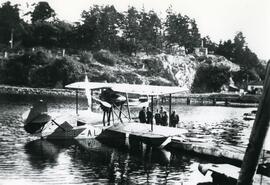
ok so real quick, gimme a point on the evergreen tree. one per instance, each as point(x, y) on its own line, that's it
point(10, 23)
point(181, 30)
point(150, 31)
point(130, 26)
point(42, 12)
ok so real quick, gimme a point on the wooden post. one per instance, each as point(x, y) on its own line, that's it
point(226, 102)
point(214, 101)
point(257, 136)
point(152, 110)
point(120, 111)
point(92, 106)
point(129, 117)
point(170, 109)
point(77, 101)
point(201, 103)
point(188, 101)
point(11, 38)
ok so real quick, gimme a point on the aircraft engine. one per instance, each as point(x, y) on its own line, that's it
point(112, 98)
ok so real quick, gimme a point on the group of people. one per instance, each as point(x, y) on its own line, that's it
point(161, 117)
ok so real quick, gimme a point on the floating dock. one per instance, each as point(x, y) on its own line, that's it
point(175, 138)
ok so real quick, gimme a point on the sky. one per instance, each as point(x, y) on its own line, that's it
point(219, 19)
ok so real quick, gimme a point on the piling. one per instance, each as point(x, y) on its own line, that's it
point(201, 101)
point(188, 101)
point(214, 101)
point(76, 102)
point(226, 102)
point(257, 136)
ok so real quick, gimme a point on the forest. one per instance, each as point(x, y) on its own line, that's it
point(104, 28)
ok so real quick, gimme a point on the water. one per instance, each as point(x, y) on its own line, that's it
point(25, 159)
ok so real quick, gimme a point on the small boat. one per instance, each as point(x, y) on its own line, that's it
point(225, 174)
point(250, 116)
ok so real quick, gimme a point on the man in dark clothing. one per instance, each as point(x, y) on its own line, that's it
point(158, 118)
point(149, 116)
point(164, 119)
point(174, 119)
point(142, 115)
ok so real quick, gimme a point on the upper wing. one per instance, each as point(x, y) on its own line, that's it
point(129, 88)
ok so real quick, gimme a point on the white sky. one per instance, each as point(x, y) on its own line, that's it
point(220, 19)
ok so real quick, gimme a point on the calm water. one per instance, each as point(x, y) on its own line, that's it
point(25, 159)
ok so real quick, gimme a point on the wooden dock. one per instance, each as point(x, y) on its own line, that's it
point(224, 99)
point(176, 139)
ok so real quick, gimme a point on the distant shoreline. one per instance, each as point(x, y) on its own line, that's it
point(14, 90)
point(207, 98)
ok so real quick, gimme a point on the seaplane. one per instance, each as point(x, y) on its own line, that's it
point(115, 122)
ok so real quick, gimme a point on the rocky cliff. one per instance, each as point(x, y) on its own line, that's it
point(43, 69)
point(159, 69)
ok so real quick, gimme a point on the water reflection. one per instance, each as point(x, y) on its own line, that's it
point(23, 158)
point(92, 161)
point(43, 153)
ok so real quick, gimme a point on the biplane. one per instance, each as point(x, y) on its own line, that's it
point(113, 99)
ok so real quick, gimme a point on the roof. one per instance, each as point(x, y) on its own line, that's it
point(256, 83)
point(129, 88)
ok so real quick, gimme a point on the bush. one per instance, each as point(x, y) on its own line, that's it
point(160, 81)
point(61, 72)
point(129, 77)
point(102, 77)
point(154, 66)
point(86, 58)
point(105, 57)
point(210, 78)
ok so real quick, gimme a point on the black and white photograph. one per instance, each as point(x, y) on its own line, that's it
point(134, 92)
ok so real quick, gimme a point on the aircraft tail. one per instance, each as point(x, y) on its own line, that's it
point(36, 118)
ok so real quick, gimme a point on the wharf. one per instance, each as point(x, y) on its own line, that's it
point(203, 147)
point(160, 135)
point(175, 138)
point(227, 99)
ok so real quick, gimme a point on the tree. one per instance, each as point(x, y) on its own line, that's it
point(194, 37)
point(65, 34)
point(239, 53)
point(130, 27)
point(45, 34)
point(42, 12)
point(150, 31)
point(9, 22)
point(208, 43)
point(226, 49)
point(88, 30)
point(100, 28)
point(181, 30)
point(108, 28)
point(210, 78)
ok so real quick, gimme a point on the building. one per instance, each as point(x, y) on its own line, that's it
point(255, 87)
point(201, 51)
point(177, 50)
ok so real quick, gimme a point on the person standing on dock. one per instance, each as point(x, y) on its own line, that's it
point(164, 119)
point(149, 116)
point(142, 115)
point(158, 118)
point(174, 119)
point(161, 112)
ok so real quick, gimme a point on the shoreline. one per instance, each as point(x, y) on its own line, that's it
point(233, 98)
point(15, 90)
